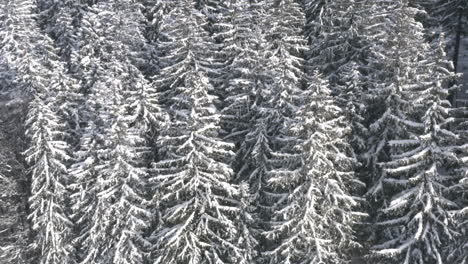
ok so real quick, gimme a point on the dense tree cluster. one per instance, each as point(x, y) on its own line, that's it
point(232, 131)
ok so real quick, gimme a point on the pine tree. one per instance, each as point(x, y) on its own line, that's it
point(14, 227)
point(14, 31)
point(240, 55)
point(30, 58)
point(317, 223)
point(450, 17)
point(193, 181)
point(334, 30)
point(339, 50)
point(353, 99)
point(61, 20)
point(459, 247)
point(394, 65)
point(47, 156)
point(122, 112)
point(254, 92)
point(418, 214)
point(111, 183)
point(286, 48)
point(154, 12)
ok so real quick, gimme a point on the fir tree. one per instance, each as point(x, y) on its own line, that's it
point(418, 214)
point(240, 56)
point(192, 181)
point(121, 110)
point(317, 223)
point(338, 50)
point(30, 57)
point(47, 156)
point(450, 17)
point(394, 66)
point(334, 30)
point(14, 227)
point(353, 100)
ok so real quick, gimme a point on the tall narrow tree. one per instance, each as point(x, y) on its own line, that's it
point(192, 180)
point(317, 223)
point(122, 111)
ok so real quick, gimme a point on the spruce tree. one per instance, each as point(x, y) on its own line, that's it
point(192, 180)
point(393, 66)
point(412, 185)
point(339, 50)
point(240, 56)
point(353, 100)
point(318, 221)
point(47, 155)
point(419, 212)
point(238, 33)
point(13, 220)
point(334, 31)
point(450, 17)
point(14, 31)
point(121, 111)
point(30, 58)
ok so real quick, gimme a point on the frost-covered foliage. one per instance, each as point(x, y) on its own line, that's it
point(192, 182)
point(121, 109)
point(48, 202)
point(449, 17)
point(416, 225)
point(61, 20)
point(353, 100)
point(395, 65)
point(334, 29)
point(240, 74)
point(338, 48)
point(192, 179)
point(29, 58)
point(239, 57)
point(183, 46)
point(316, 224)
point(14, 228)
point(235, 131)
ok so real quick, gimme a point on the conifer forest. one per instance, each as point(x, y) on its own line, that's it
point(233, 132)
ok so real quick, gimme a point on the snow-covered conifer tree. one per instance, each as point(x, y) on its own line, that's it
point(394, 61)
point(183, 45)
point(317, 223)
point(335, 35)
point(451, 16)
point(396, 38)
point(353, 100)
point(418, 216)
point(13, 220)
point(61, 20)
point(31, 59)
point(121, 110)
point(47, 155)
point(192, 181)
point(239, 56)
point(284, 24)
point(338, 50)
